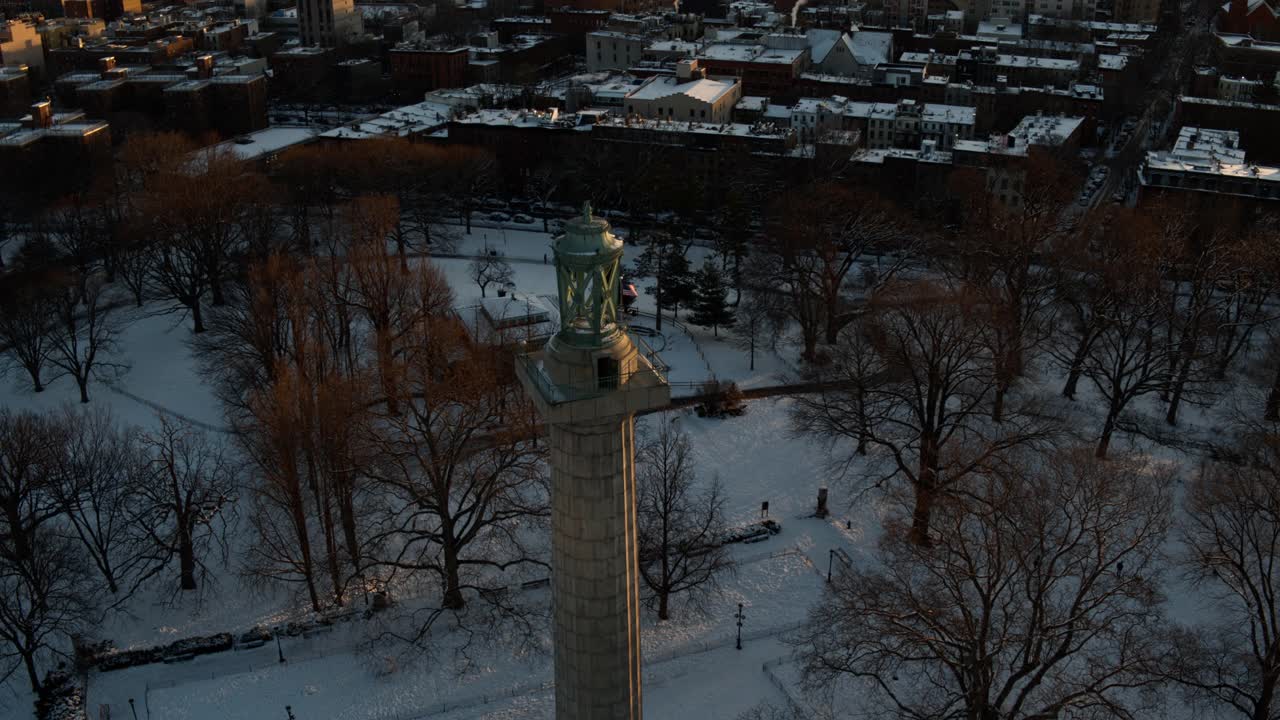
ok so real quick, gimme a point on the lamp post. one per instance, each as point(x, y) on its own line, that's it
point(831, 556)
point(133, 709)
point(740, 617)
point(289, 711)
point(279, 649)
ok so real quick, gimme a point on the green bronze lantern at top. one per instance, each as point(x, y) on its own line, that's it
point(588, 262)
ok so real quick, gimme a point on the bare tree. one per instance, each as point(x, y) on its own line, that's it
point(858, 374)
point(30, 446)
point(303, 437)
point(1203, 281)
point(1271, 405)
point(460, 474)
point(393, 302)
point(1248, 307)
point(134, 267)
point(489, 270)
point(924, 401)
point(77, 228)
point(470, 176)
point(1005, 254)
point(1043, 601)
point(1081, 292)
point(822, 234)
point(100, 471)
point(12, 209)
point(84, 336)
point(25, 327)
point(1129, 358)
point(177, 274)
point(196, 233)
point(543, 183)
point(44, 603)
point(680, 528)
point(1230, 531)
point(45, 596)
point(753, 326)
point(189, 500)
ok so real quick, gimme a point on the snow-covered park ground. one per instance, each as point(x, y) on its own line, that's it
point(691, 667)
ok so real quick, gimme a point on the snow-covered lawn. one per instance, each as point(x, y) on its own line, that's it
point(326, 680)
point(335, 676)
point(691, 668)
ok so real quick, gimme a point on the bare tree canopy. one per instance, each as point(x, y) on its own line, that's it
point(680, 526)
point(460, 475)
point(1043, 601)
point(913, 381)
point(101, 469)
point(1231, 530)
point(189, 501)
point(490, 269)
point(46, 590)
point(84, 337)
point(822, 237)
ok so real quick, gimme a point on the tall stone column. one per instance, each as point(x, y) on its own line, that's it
point(588, 383)
point(595, 576)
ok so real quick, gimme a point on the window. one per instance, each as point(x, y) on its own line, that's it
point(691, 112)
point(704, 113)
point(607, 373)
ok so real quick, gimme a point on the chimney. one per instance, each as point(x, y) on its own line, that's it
point(42, 114)
point(106, 64)
point(204, 67)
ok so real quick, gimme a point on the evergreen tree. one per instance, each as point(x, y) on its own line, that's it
point(710, 299)
point(664, 260)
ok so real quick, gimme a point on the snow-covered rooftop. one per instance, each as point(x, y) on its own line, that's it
point(1210, 152)
point(1027, 61)
point(1000, 28)
point(663, 86)
point(1112, 62)
point(401, 122)
point(1033, 130)
point(763, 130)
point(265, 142)
point(673, 46)
point(877, 157)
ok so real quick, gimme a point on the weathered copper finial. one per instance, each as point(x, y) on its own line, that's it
point(586, 210)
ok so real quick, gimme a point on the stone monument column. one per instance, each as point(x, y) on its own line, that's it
point(588, 382)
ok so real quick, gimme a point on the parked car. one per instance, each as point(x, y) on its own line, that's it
point(499, 217)
point(523, 219)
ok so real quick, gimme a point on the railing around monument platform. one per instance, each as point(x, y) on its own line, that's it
point(651, 371)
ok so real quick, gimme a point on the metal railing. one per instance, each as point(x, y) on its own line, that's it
point(650, 372)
